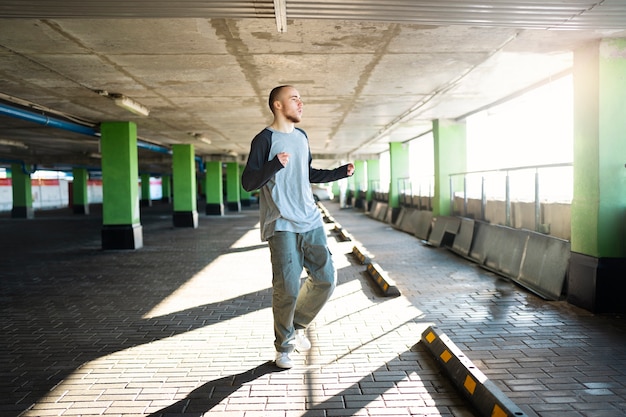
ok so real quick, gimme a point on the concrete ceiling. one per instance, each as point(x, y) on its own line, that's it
point(370, 72)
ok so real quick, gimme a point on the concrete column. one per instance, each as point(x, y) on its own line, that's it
point(185, 191)
point(450, 146)
point(399, 167)
point(214, 189)
point(22, 193)
point(146, 198)
point(360, 184)
point(245, 195)
point(596, 279)
point(233, 198)
point(373, 176)
point(80, 197)
point(120, 194)
point(166, 189)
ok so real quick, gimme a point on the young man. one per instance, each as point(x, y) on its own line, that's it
point(279, 165)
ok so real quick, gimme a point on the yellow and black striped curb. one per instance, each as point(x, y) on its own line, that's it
point(380, 277)
point(342, 234)
point(486, 398)
point(387, 286)
point(361, 255)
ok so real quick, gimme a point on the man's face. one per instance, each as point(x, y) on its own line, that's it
point(291, 105)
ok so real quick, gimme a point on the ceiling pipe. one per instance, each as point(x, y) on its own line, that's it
point(46, 120)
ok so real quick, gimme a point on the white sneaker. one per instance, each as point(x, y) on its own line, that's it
point(283, 360)
point(302, 342)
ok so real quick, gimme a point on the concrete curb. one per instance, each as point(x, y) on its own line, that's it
point(486, 398)
point(342, 234)
point(380, 277)
point(387, 286)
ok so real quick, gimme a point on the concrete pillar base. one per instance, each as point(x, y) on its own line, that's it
point(22, 213)
point(80, 208)
point(122, 237)
point(186, 219)
point(214, 209)
point(597, 284)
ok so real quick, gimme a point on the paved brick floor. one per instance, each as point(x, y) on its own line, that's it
point(183, 327)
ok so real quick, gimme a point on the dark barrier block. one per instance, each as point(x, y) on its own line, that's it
point(506, 250)
point(381, 211)
point(544, 265)
point(407, 220)
point(377, 206)
point(424, 220)
point(413, 221)
point(463, 240)
point(399, 218)
point(533, 260)
point(444, 230)
point(481, 242)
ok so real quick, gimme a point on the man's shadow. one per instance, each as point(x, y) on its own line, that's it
point(204, 398)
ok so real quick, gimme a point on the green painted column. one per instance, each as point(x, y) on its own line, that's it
point(233, 198)
point(185, 191)
point(245, 195)
point(450, 146)
point(214, 189)
point(373, 176)
point(399, 167)
point(166, 188)
point(120, 193)
point(22, 193)
point(146, 198)
point(336, 189)
point(596, 280)
point(360, 184)
point(80, 197)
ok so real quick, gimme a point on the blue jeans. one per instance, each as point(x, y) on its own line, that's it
point(294, 305)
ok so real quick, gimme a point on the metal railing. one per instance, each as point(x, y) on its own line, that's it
point(524, 191)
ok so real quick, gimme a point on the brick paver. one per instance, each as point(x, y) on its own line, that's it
point(550, 358)
point(183, 326)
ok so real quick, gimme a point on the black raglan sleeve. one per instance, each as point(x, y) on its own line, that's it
point(258, 169)
point(327, 175)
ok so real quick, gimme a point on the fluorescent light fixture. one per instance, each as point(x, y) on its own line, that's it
point(130, 105)
point(280, 11)
point(13, 143)
point(200, 137)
